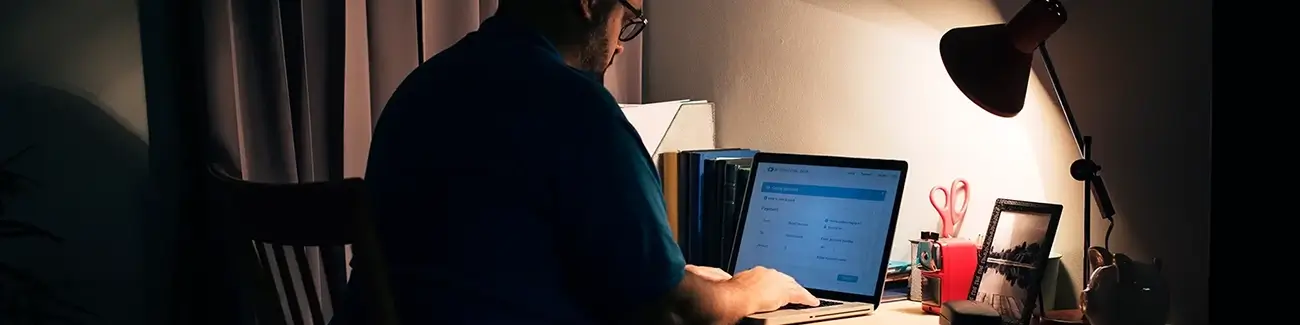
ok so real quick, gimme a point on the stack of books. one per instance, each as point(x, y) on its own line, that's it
point(704, 190)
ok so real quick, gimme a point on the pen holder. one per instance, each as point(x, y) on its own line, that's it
point(914, 278)
point(948, 272)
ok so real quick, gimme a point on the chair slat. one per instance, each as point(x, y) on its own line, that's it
point(271, 304)
point(309, 285)
point(287, 292)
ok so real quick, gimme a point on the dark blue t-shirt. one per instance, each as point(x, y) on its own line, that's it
point(509, 188)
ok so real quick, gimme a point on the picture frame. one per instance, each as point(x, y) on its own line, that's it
point(1016, 249)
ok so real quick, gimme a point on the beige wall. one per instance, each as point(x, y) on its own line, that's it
point(89, 159)
point(90, 47)
point(864, 78)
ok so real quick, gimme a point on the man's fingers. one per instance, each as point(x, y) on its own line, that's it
point(803, 297)
point(799, 295)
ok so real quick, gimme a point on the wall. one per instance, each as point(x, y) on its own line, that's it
point(864, 78)
point(89, 161)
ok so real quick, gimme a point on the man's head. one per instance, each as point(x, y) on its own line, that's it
point(589, 33)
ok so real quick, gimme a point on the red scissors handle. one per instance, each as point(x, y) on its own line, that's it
point(949, 213)
point(945, 213)
point(958, 214)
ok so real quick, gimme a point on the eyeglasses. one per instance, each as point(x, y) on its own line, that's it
point(634, 27)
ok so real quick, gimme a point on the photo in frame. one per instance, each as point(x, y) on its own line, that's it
point(1013, 258)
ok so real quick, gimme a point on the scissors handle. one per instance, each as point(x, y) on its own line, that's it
point(944, 207)
point(959, 185)
point(942, 203)
point(958, 214)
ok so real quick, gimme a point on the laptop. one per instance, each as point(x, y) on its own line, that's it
point(826, 221)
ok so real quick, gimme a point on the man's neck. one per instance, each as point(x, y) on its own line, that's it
point(557, 34)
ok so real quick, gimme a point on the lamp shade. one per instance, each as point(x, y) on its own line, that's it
point(990, 63)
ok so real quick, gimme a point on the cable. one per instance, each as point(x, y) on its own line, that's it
point(1108, 229)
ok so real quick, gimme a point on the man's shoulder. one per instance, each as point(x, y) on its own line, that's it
point(503, 62)
point(497, 75)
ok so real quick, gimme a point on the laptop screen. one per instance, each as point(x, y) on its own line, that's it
point(825, 226)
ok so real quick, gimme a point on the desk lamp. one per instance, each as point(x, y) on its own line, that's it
point(991, 63)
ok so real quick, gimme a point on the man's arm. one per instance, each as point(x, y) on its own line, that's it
point(617, 227)
point(698, 300)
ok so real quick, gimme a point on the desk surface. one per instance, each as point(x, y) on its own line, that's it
point(891, 313)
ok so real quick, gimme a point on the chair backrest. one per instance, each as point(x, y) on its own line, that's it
point(299, 234)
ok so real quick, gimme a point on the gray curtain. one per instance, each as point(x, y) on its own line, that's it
point(294, 88)
point(274, 74)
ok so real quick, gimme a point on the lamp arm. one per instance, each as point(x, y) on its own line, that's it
point(1060, 96)
point(1098, 187)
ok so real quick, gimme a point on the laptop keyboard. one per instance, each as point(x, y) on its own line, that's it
point(824, 303)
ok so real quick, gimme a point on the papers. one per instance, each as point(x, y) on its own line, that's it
point(673, 126)
point(652, 121)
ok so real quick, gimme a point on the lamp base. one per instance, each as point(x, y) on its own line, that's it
point(1063, 317)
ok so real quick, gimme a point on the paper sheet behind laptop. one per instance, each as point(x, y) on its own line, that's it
point(673, 125)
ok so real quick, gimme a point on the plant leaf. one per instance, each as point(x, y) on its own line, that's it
point(11, 183)
point(15, 156)
point(16, 229)
point(24, 278)
point(41, 303)
point(56, 303)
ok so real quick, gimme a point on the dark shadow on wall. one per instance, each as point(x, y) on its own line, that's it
point(1138, 78)
point(88, 173)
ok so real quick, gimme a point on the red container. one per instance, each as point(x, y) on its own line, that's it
point(948, 277)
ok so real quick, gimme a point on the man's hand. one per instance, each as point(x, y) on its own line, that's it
point(709, 273)
point(769, 289)
point(708, 295)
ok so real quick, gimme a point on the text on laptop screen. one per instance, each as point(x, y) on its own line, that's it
point(824, 226)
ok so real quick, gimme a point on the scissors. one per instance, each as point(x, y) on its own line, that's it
point(949, 212)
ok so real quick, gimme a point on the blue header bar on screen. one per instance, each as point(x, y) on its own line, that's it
point(824, 191)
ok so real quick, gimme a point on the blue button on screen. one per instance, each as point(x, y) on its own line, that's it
point(847, 278)
point(823, 191)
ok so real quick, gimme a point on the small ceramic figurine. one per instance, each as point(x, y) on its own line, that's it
point(1124, 292)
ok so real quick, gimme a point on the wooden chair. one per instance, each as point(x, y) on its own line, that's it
point(284, 224)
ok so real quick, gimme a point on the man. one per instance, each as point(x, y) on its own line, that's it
point(510, 189)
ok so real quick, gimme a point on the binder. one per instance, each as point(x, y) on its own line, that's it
point(691, 224)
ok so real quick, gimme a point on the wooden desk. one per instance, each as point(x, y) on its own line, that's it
point(891, 313)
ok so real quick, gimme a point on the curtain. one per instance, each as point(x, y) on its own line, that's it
point(274, 72)
point(292, 90)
